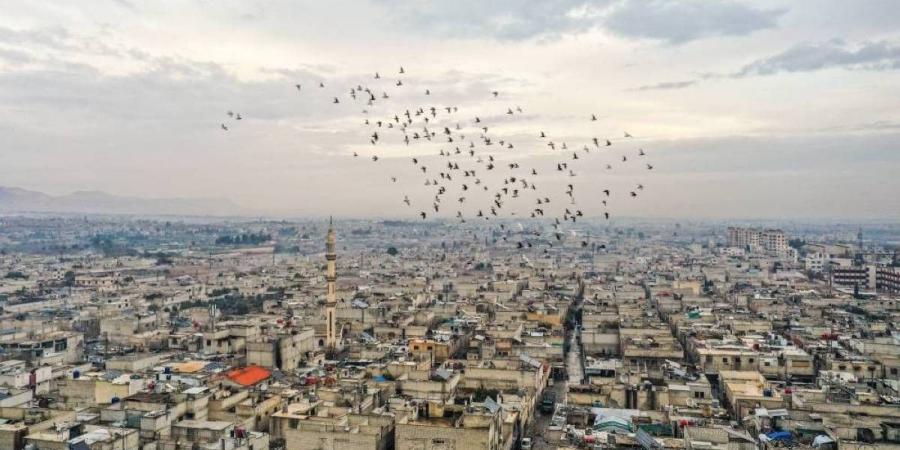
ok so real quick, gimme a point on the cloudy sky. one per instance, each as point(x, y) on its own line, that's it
point(762, 109)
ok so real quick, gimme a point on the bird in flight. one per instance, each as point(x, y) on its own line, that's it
point(426, 123)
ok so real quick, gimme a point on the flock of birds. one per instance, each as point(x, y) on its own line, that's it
point(470, 155)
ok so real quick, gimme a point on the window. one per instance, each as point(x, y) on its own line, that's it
point(698, 394)
point(295, 423)
point(208, 342)
point(751, 360)
point(893, 371)
point(725, 360)
point(709, 358)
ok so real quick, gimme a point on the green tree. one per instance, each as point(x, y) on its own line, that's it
point(393, 251)
point(69, 278)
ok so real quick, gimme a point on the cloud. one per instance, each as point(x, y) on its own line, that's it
point(497, 19)
point(55, 38)
point(667, 85)
point(807, 57)
point(673, 21)
point(126, 4)
point(680, 21)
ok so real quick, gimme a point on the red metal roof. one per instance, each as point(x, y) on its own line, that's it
point(249, 375)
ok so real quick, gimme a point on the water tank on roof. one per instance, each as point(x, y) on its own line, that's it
point(76, 374)
point(167, 369)
point(115, 400)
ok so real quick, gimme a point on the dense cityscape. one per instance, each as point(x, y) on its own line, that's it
point(187, 333)
point(449, 225)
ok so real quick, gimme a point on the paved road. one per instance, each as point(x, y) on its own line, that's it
point(542, 421)
point(575, 371)
point(573, 360)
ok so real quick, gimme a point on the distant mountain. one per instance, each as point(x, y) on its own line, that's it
point(16, 200)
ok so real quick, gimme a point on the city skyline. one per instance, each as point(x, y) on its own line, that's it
point(751, 110)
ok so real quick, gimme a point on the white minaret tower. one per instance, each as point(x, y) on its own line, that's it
point(330, 298)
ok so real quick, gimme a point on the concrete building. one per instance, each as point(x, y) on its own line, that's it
point(869, 278)
point(451, 427)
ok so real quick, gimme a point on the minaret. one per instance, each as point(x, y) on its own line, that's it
point(330, 298)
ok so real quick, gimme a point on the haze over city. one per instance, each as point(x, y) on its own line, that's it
point(764, 109)
point(449, 225)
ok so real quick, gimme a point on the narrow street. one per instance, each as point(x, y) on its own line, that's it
point(575, 375)
point(574, 360)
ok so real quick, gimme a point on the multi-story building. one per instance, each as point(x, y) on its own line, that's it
point(879, 278)
point(887, 279)
point(768, 240)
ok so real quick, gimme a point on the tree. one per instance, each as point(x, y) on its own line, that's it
point(393, 251)
point(69, 278)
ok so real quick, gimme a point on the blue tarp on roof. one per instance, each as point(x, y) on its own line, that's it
point(780, 435)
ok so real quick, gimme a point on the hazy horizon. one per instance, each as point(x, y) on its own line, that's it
point(749, 110)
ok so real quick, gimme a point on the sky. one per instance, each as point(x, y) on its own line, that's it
point(757, 110)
